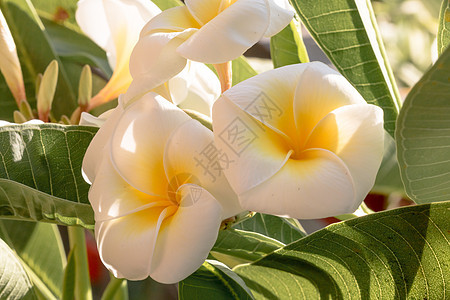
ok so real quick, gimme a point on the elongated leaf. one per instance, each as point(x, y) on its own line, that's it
point(61, 11)
point(36, 52)
point(21, 202)
point(423, 136)
point(347, 33)
point(71, 45)
point(388, 179)
point(398, 254)
point(68, 289)
point(282, 229)
point(165, 4)
point(241, 70)
point(14, 281)
point(235, 247)
point(287, 47)
point(40, 248)
point(443, 36)
point(213, 281)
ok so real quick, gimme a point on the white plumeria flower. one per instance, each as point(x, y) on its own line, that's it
point(9, 62)
point(115, 25)
point(213, 31)
point(305, 143)
point(158, 206)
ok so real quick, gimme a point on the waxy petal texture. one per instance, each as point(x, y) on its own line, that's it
point(305, 143)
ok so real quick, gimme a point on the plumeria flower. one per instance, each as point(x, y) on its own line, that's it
point(9, 62)
point(114, 25)
point(213, 31)
point(305, 143)
point(158, 192)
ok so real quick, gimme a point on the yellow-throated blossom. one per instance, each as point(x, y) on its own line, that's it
point(304, 142)
point(213, 31)
point(158, 192)
point(115, 25)
point(9, 62)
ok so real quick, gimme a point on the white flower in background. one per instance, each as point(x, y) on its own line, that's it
point(305, 143)
point(158, 192)
point(115, 25)
point(214, 31)
point(9, 62)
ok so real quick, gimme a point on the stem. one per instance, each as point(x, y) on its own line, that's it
point(225, 75)
point(113, 288)
point(77, 242)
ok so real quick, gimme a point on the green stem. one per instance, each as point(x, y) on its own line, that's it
point(113, 288)
point(77, 242)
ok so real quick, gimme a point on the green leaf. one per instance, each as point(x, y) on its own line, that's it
point(443, 36)
point(281, 229)
point(287, 47)
point(213, 281)
point(241, 70)
point(423, 136)
point(62, 11)
point(397, 254)
point(68, 290)
point(14, 281)
point(235, 246)
point(388, 179)
point(40, 249)
point(165, 4)
point(71, 45)
point(347, 33)
point(21, 202)
point(28, 31)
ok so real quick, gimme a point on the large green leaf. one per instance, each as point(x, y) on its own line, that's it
point(235, 246)
point(388, 179)
point(18, 201)
point(443, 36)
point(36, 52)
point(347, 33)
point(41, 251)
point(287, 47)
point(14, 281)
point(62, 11)
point(165, 4)
point(398, 254)
point(282, 229)
point(241, 70)
point(47, 158)
point(213, 281)
point(423, 136)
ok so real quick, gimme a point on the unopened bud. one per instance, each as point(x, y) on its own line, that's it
point(47, 90)
point(19, 118)
point(85, 87)
point(65, 120)
point(25, 110)
point(37, 83)
point(9, 62)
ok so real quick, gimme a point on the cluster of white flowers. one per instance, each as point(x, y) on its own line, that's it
point(298, 141)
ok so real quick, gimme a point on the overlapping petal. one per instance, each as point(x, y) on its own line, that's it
point(316, 147)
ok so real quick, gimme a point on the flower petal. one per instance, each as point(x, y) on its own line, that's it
point(281, 14)
point(111, 197)
point(126, 245)
point(204, 11)
point(154, 61)
point(96, 149)
point(186, 238)
point(137, 145)
point(319, 91)
point(228, 35)
point(316, 186)
point(255, 152)
point(173, 19)
point(192, 156)
point(268, 97)
point(355, 133)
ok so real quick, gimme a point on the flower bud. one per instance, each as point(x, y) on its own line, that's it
point(9, 62)
point(25, 110)
point(19, 118)
point(85, 87)
point(47, 90)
